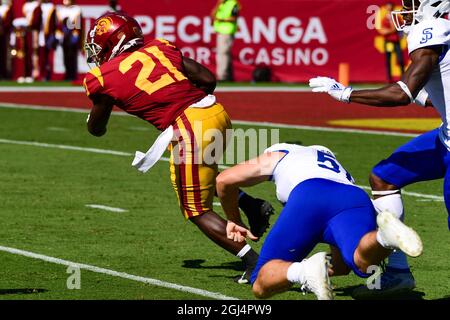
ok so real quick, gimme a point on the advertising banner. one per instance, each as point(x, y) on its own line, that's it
point(296, 39)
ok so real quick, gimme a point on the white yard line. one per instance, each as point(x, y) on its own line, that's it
point(148, 129)
point(240, 122)
point(218, 89)
point(65, 147)
point(127, 154)
point(41, 89)
point(57, 129)
point(262, 89)
point(154, 282)
point(106, 208)
point(429, 197)
point(8, 105)
point(324, 129)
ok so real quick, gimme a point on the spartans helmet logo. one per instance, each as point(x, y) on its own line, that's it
point(103, 26)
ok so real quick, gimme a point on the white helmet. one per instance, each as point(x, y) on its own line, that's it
point(323, 149)
point(426, 9)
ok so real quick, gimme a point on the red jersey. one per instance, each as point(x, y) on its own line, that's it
point(148, 83)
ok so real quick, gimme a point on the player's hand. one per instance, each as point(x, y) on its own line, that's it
point(237, 233)
point(332, 87)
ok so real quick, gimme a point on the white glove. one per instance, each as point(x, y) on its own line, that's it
point(332, 87)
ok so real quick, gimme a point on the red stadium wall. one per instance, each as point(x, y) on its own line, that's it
point(298, 39)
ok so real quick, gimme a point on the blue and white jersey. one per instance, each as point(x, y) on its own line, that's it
point(428, 33)
point(304, 163)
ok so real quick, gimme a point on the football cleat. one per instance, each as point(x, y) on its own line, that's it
point(243, 279)
point(316, 278)
point(258, 213)
point(392, 284)
point(396, 235)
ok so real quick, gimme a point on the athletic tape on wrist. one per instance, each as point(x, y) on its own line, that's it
point(406, 90)
point(346, 93)
point(421, 98)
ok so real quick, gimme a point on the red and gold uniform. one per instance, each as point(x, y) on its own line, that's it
point(26, 40)
point(6, 18)
point(150, 84)
point(47, 39)
point(70, 24)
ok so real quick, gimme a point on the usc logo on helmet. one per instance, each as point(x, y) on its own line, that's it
point(103, 26)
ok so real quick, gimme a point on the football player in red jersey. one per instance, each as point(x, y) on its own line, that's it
point(156, 83)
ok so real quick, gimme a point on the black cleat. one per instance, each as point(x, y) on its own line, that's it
point(258, 212)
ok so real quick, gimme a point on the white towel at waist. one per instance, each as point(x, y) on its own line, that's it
point(144, 161)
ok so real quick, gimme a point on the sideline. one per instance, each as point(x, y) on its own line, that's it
point(154, 282)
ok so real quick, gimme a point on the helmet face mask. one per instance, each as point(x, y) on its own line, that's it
point(405, 18)
point(92, 53)
point(111, 35)
point(415, 11)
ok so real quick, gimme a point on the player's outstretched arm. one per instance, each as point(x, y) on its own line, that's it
point(246, 174)
point(199, 75)
point(100, 113)
point(423, 62)
point(409, 90)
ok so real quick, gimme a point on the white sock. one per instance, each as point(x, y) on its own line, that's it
point(295, 272)
point(392, 203)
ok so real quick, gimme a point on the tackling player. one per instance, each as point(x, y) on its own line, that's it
point(427, 157)
point(322, 205)
point(154, 82)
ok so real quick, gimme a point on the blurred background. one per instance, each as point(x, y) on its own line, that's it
point(285, 41)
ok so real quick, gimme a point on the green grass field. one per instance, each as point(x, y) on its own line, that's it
point(44, 191)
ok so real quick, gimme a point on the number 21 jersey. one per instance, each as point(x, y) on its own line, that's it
point(148, 83)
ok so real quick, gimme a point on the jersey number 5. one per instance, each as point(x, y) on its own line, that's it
point(328, 162)
point(148, 65)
